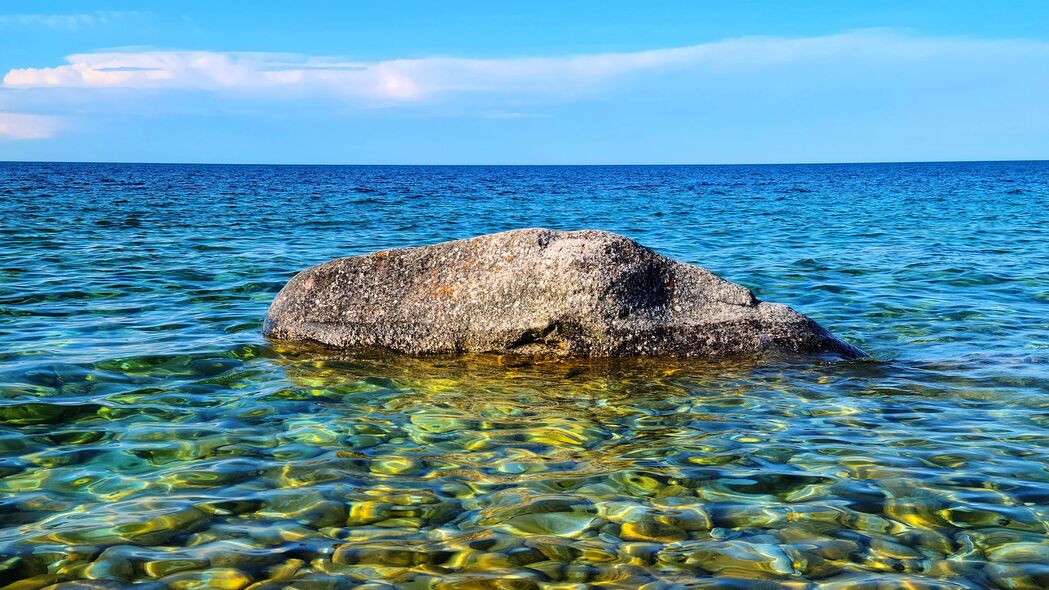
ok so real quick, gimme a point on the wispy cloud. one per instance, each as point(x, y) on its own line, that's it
point(414, 80)
point(889, 72)
point(24, 126)
point(66, 21)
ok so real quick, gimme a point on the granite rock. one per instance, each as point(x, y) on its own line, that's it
point(533, 291)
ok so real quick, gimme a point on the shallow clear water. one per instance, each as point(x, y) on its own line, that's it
point(149, 435)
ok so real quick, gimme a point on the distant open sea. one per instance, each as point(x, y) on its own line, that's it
point(150, 436)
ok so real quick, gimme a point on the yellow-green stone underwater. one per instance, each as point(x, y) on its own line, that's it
point(151, 438)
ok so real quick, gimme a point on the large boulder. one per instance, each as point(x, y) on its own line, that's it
point(537, 292)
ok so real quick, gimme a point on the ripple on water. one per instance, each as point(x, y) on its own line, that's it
point(487, 472)
point(149, 436)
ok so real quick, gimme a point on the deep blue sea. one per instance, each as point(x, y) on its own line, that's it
point(150, 436)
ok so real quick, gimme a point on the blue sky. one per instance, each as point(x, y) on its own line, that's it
point(536, 82)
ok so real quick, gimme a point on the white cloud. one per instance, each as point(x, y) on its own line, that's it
point(888, 72)
point(65, 21)
point(413, 80)
point(24, 126)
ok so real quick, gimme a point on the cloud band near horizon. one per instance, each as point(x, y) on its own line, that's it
point(564, 78)
point(400, 80)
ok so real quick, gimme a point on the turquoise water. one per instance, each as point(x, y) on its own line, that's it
point(150, 436)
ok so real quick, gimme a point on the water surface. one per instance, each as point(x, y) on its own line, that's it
point(149, 435)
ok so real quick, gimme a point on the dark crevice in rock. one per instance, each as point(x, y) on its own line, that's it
point(549, 337)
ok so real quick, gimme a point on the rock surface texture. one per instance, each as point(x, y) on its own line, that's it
point(537, 292)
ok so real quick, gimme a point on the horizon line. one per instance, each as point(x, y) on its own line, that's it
point(483, 165)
